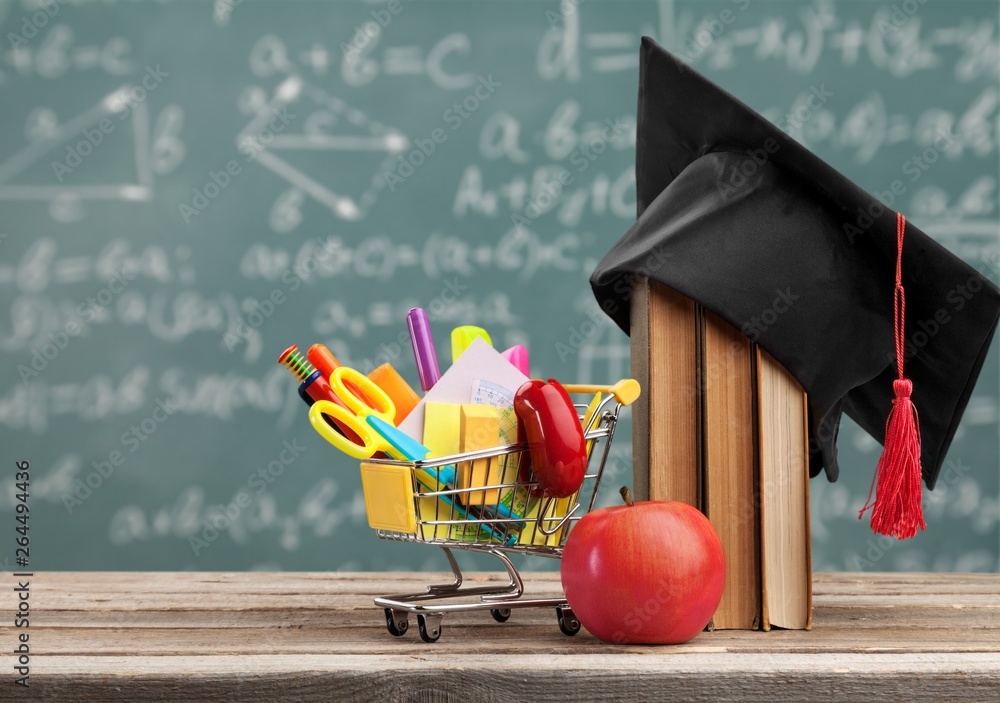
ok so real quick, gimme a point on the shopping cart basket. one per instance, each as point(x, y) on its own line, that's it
point(419, 501)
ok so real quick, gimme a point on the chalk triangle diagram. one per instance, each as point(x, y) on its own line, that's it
point(15, 186)
point(324, 125)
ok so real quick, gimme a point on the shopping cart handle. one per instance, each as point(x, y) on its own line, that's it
point(625, 391)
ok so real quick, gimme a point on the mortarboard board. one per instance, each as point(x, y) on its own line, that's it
point(734, 213)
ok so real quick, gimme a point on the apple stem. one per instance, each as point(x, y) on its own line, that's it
point(626, 495)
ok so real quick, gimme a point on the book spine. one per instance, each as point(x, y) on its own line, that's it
point(730, 468)
point(665, 418)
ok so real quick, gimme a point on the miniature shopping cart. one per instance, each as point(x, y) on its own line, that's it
point(419, 501)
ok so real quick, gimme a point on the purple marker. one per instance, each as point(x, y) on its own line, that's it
point(423, 347)
point(518, 356)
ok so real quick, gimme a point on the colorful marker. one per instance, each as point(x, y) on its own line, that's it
point(323, 359)
point(518, 356)
point(313, 384)
point(423, 347)
point(462, 337)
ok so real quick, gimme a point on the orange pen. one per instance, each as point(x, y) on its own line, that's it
point(323, 359)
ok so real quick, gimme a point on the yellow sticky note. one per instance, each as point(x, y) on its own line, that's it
point(442, 427)
point(388, 497)
point(480, 429)
point(442, 423)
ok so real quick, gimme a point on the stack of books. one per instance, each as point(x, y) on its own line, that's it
point(723, 426)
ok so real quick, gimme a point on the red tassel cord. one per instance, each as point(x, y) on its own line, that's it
point(897, 509)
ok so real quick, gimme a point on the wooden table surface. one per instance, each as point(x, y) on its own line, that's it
point(318, 637)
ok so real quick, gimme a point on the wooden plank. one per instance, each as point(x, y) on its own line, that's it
point(523, 634)
point(848, 616)
point(880, 584)
point(312, 637)
point(74, 582)
point(639, 677)
point(71, 584)
point(665, 442)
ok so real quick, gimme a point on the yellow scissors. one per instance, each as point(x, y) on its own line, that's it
point(348, 384)
point(375, 409)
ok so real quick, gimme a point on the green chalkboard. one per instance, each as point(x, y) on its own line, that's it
point(186, 188)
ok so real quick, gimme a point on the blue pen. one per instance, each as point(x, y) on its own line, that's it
point(412, 450)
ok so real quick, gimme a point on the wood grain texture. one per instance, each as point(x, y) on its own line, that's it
point(318, 637)
point(730, 463)
point(783, 449)
point(665, 444)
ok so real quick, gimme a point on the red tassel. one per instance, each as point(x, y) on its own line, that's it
point(897, 509)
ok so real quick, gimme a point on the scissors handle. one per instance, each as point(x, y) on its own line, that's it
point(327, 432)
point(375, 401)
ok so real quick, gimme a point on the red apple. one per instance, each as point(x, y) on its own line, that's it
point(643, 573)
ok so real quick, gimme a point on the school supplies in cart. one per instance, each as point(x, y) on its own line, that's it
point(456, 472)
point(397, 515)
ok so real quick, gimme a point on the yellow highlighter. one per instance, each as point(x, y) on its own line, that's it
point(441, 426)
point(462, 337)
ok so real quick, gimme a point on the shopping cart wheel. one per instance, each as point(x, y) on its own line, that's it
point(500, 614)
point(567, 621)
point(430, 627)
point(396, 622)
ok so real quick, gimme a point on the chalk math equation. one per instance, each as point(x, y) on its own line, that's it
point(174, 214)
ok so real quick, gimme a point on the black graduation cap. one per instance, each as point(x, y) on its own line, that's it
point(732, 212)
